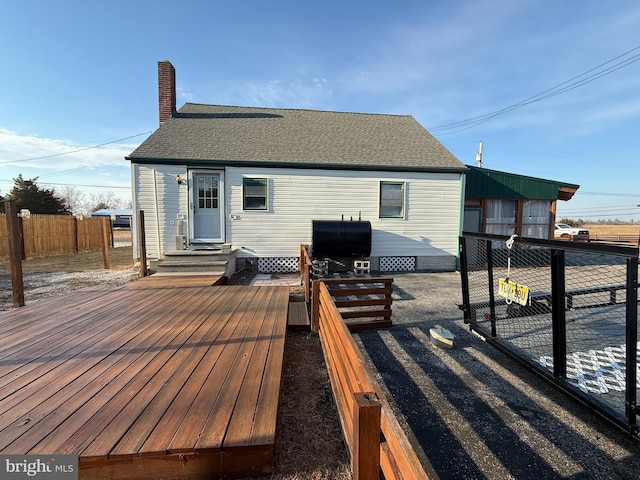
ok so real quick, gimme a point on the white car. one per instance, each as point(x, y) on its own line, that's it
point(567, 232)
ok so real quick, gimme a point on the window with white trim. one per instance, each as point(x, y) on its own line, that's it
point(254, 193)
point(391, 200)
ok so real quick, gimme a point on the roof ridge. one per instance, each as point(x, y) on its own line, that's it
point(297, 109)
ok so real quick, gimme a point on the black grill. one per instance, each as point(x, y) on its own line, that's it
point(333, 239)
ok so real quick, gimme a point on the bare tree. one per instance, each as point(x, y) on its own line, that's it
point(98, 201)
point(74, 199)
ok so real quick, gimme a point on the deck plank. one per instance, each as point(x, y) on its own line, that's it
point(162, 281)
point(192, 338)
point(221, 413)
point(139, 347)
point(140, 371)
point(70, 364)
point(267, 405)
point(33, 364)
point(213, 400)
point(78, 434)
point(266, 374)
point(165, 430)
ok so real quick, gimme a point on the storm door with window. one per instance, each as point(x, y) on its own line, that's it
point(207, 196)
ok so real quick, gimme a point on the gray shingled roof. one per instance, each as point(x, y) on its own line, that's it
point(215, 134)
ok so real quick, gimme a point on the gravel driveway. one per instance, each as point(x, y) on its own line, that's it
point(474, 412)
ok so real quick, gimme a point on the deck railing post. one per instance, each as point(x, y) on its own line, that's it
point(142, 244)
point(75, 235)
point(315, 306)
point(631, 343)
point(365, 459)
point(104, 230)
point(15, 252)
point(558, 313)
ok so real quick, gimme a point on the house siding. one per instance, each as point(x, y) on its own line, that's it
point(428, 231)
point(157, 193)
point(296, 197)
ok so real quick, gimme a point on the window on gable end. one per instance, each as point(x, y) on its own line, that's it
point(254, 193)
point(391, 200)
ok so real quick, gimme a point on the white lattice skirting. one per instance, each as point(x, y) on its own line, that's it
point(397, 264)
point(278, 264)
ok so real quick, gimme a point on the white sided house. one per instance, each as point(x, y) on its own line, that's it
point(255, 179)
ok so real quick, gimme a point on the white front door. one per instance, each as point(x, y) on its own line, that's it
point(207, 206)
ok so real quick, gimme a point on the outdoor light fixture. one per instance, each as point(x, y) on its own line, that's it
point(179, 179)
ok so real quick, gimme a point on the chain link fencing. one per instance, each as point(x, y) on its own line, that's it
point(567, 310)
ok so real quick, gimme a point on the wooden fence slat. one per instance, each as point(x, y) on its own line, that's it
point(44, 235)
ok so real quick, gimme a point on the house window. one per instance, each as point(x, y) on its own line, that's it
point(501, 217)
point(391, 199)
point(254, 193)
point(536, 218)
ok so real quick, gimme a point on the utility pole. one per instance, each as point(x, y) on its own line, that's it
point(479, 156)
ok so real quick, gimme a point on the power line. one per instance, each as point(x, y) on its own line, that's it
point(551, 92)
point(76, 185)
point(603, 208)
point(564, 214)
point(611, 194)
point(83, 185)
point(74, 151)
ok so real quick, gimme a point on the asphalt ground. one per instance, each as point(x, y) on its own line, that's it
point(474, 412)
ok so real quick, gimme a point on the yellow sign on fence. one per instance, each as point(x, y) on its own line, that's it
point(513, 291)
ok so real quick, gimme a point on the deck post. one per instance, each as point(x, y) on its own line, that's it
point(365, 454)
point(104, 229)
point(15, 252)
point(315, 306)
point(142, 244)
point(75, 235)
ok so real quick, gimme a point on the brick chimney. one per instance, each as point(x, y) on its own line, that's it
point(166, 90)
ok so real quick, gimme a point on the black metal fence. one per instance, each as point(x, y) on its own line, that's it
point(567, 310)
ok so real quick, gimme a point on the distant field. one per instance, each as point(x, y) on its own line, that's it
point(614, 232)
point(613, 229)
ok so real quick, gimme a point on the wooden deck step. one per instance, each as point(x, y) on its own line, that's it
point(177, 280)
point(298, 318)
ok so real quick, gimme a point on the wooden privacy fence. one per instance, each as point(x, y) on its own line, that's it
point(376, 442)
point(43, 235)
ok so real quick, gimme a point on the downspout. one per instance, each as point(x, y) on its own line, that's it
point(155, 201)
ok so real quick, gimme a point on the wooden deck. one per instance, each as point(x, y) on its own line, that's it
point(146, 381)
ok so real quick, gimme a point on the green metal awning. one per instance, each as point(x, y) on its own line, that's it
point(485, 183)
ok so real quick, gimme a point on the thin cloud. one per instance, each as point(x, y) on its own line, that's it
point(16, 150)
point(105, 167)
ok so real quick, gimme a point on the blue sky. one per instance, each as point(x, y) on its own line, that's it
point(78, 74)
